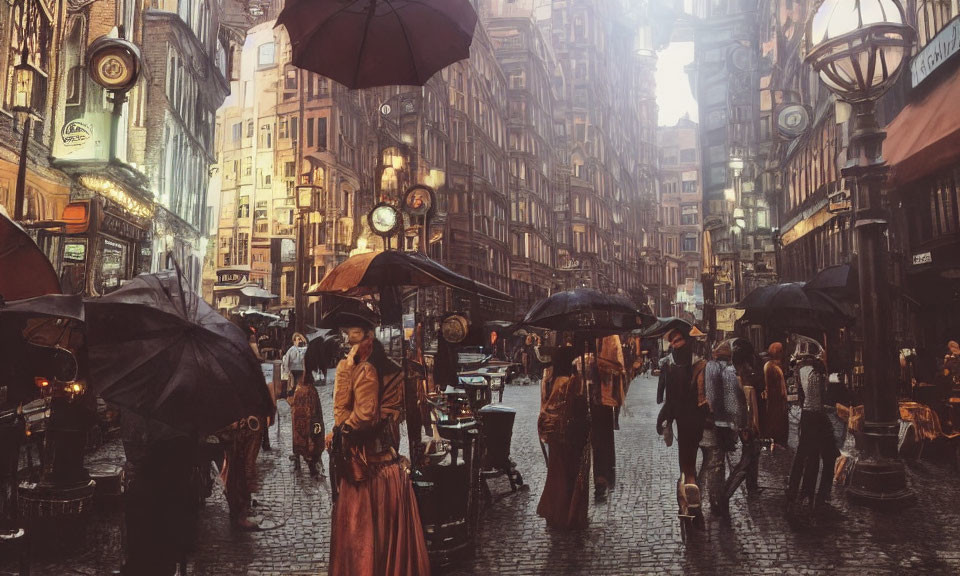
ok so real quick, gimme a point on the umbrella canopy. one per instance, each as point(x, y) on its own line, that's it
point(165, 354)
point(50, 305)
point(840, 282)
point(791, 306)
point(25, 271)
point(369, 274)
point(664, 325)
point(369, 43)
point(254, 291)
point(586, 310)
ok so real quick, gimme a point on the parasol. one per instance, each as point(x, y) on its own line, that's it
point(164, 353)
point(370, 43)
point(585, 310)
point(368, 274)
point(790, 306)
point(25, 271)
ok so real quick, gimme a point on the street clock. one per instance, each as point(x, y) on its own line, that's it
point(384, 219)
point(114, 63)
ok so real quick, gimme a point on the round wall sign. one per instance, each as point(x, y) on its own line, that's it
point(418, 200)
point(384, 219)
point(792, 120)
point(114, 64)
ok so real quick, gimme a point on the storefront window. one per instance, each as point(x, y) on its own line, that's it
point(113, 266)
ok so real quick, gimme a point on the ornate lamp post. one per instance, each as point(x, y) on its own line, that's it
point(24, 75)
point(858, 47)
point(306, 203)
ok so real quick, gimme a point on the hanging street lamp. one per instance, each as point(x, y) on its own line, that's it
point(858, 48)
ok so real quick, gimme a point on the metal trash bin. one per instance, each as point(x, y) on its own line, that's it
point(497, 426)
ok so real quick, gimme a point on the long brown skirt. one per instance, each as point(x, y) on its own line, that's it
point(376, 527)
point(565, 497)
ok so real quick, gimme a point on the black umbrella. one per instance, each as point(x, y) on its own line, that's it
point(839, 282)
point(790, 306)
point(584, 310)
point(25, 271)
point(369, 43)
point(164, 353)
point(664, 325)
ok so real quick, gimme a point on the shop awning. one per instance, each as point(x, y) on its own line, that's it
point(925, 136)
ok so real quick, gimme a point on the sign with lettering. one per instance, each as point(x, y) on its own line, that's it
point(76, 133)
point(922, 258)
point(943, 46)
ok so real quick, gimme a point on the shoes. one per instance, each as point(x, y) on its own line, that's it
point(600, 492)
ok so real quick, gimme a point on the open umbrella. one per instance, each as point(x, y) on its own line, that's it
point(369, 43)
point(664, 325)
point(586, 310)
point(25, 271)
point(790, 306)
point(162, 352)
point(840, 282)
point(368, 274)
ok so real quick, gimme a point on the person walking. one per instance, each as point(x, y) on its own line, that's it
point(681, 391)
point(242, 446)
point(727, 417)
point(563, 427)
point(748, 468)
point(776, 424)
point(291, 367)
point(376, 529)
point(606, 400)
point(308, 428)
point(817, 444)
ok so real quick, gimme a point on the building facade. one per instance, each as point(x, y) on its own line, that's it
point(681, 203)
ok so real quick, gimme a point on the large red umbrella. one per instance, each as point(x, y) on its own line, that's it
point(369, 43)
point(25, 271)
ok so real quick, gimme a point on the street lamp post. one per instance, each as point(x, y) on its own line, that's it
point(858, 49)
point(306, 194)
point(24, 75)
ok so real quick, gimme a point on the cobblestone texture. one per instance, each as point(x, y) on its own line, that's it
point(634, 532)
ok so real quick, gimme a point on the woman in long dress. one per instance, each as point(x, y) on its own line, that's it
point(563, 426)
point(376, 523)
point(777, 425)
point(306, 410)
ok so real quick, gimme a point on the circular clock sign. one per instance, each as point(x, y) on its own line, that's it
point(114, 64)
point(418, 201)
point(384, 219)
point(792, 120)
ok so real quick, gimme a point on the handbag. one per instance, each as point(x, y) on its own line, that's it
point(317, 429)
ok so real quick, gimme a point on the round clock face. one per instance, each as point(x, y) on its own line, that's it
point(384, 219)
point(114, 65)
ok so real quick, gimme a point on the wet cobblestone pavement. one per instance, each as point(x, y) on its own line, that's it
point(634, 532)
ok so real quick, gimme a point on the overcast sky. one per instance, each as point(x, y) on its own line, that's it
point(673, 87)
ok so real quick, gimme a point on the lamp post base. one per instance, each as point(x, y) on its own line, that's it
point(880, 481)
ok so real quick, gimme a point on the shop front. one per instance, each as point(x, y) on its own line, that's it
point(923, 150)
point(104, 245)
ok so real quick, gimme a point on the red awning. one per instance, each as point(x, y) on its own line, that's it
point(925, 136)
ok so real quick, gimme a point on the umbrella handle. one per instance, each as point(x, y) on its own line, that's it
point(176, 266)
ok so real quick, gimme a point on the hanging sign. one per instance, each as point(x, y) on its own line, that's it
point(922, 258)
point(943, 47)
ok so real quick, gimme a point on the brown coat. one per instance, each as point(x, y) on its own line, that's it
point(306, 408)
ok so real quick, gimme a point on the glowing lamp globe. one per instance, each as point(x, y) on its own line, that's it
point(858, 47)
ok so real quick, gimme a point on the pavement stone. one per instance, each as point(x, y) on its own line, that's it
point(635, 531)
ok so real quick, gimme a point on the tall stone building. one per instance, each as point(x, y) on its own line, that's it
point(681, 206)
point(129, 200)
point(528, 199)
point(736, 215)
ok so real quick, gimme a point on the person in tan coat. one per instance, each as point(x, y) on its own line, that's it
point(376, 522)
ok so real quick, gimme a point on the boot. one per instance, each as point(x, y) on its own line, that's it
point(312, 465)
point(265, 442)
point(296, 462)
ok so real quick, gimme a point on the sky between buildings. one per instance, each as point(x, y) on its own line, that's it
point(674, 98)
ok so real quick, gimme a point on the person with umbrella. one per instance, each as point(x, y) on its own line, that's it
point(775, 423)
point(563, 426)
point(376, 522)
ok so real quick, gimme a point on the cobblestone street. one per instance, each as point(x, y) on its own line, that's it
point(634, 532)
